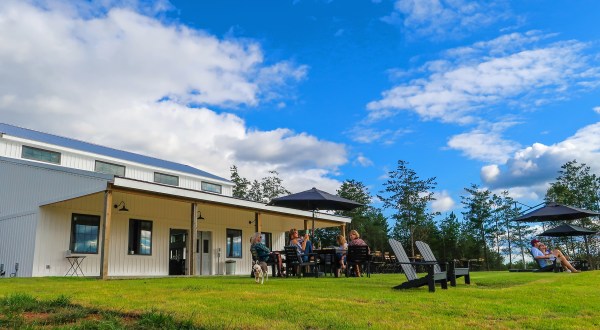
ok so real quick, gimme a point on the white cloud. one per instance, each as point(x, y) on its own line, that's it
point(477, 79)
point(597, 109)
point(364, 134)
point(443, 202)
point(441, 19)
point(489, 173)
point(484, 146)
point(363, 161)
point(530, 170)
point(96, 72)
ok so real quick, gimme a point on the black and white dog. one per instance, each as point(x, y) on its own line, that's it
point(260, 272)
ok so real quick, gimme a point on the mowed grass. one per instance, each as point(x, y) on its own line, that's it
point(494, 300)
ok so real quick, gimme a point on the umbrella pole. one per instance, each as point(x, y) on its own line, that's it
point(313, 225)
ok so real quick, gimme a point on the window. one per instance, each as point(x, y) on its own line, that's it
point(84, 233)
point(140, 237)
point(234, 243)
point(267, 239)
point(108, 168)
point(41, 155)
point(166, 179)
point(216, 188)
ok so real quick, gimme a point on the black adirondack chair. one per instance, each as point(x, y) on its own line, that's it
point(414, 281)
point(358, 255)
point(452, 271)
point(296, 266)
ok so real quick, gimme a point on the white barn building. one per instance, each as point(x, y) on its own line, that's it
point(124, 214)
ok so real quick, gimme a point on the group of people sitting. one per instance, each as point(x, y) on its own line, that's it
point(546, 258)
point(305, 247)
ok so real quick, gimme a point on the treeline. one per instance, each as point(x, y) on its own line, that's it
point(485, 232)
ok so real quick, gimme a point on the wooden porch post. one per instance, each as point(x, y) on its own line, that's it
point(193, 237)
point(108, 201)
point(343, 230)
point(257, 222)
point(305, 225)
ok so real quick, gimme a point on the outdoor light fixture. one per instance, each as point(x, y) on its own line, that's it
point(200, 217)
point(123, 208)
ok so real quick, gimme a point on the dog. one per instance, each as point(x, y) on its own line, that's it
point(260, 272)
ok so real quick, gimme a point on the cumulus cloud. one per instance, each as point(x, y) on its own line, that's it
point(483, 146)
point(474, 81)
point(529, 171)
point(597, 110)
point(441, 19)
point(443, 202)
point(115, 74)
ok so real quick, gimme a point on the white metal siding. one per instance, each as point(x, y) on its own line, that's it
point(17, 240)
point(54, 236)
point(10, 149)
point(87, 162)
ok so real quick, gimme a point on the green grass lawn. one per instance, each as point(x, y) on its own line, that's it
point(495, 300)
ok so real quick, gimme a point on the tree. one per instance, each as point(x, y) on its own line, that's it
point(367, 220)
point(506, 230)
point(576, 186)
point(478, 216)
point(405, 192)
point(259, 191)
point(240, 189)
point(272, 187)
point(449, 235)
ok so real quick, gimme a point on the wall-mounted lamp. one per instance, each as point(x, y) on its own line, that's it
point(123, 208)
point(200, 217)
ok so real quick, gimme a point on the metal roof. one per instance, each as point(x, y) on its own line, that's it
point(101, 150)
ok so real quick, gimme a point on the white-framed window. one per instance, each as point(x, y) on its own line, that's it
point(109, 168)
point(41, 155)
point(166, 179)
point(212, 187)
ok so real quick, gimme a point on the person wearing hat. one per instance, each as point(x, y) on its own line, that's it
point(546, 260)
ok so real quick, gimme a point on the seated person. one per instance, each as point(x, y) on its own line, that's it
point(546, 260)
point(264, 254)
point(355, 240)
point(302, 244)
point(340, 255)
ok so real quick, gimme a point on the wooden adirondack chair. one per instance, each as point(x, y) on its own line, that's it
point(452, 271)
point(414, 281)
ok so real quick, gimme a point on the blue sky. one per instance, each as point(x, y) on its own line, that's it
point(496, 93)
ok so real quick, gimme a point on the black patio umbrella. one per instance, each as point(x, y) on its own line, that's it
point(566, 229)
point(555, 212)
point(315, 199)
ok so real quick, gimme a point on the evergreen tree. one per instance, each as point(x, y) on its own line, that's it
point(272, 187)
point(479, 219)
point(240, 189)
point(449, 235)
point(408, 195)
point(259, 191)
